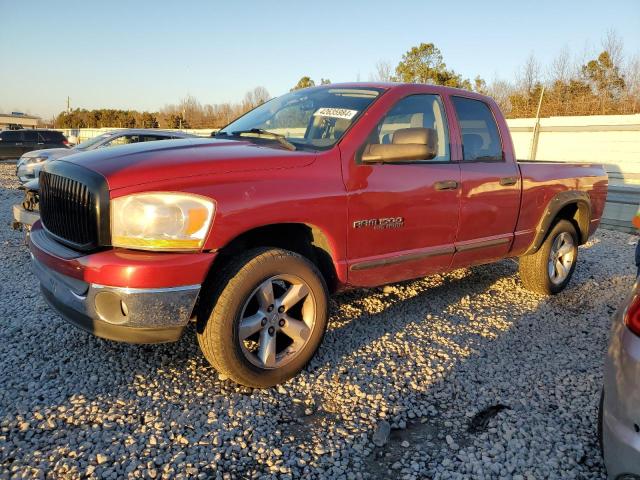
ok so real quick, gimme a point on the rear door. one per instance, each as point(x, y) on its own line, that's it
point(491, 189)
point(403, 217)
point(29, 141)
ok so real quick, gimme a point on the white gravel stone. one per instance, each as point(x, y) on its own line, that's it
point(426, 355)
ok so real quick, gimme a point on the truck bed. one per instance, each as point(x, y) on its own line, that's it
point(543, 180)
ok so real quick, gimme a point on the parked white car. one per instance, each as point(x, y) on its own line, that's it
point(31, 163)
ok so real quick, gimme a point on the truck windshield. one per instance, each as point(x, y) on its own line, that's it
point(314, 118)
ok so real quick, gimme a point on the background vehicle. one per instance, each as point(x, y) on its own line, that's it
point(619, 415)
point(30, 163)
point(15, 143)
point(338, 186)
point(29, 166)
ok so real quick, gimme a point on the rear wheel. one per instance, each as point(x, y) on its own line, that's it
point(549, 270)
point(268, 317)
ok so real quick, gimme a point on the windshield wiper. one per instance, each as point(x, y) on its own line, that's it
point(265, 133)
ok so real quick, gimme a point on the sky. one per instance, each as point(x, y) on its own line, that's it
point(145, 54)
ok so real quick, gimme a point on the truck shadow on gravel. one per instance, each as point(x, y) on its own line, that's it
point(426, 356)
point(468, 409)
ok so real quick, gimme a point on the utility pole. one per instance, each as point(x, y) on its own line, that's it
point(536, 130)
point(68, 104)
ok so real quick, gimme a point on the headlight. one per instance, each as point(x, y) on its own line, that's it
point(29, 160)
point(161, 221)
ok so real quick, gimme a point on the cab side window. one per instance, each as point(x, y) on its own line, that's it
point(416, 111)
point(480, 136)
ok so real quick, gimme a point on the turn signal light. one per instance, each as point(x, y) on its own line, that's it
point(632, 315)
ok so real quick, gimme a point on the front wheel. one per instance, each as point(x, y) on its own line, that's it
point(549, 270)
point(268, 317)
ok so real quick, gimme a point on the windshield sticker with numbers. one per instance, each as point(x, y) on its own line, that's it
point(335, 113)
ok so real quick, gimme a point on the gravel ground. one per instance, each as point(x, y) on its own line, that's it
point(473, 376)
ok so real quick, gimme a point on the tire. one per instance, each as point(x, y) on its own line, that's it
point(536, 270)
point(259, 340)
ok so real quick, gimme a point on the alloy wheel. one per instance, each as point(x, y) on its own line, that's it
point(276, 321)
point(561, 258)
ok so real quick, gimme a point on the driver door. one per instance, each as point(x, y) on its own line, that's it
point(403, 217)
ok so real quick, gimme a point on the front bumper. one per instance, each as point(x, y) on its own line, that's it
point(138, 314)
point(621, 407)
point(28, 171)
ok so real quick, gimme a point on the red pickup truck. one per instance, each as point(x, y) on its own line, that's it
point(247, 233)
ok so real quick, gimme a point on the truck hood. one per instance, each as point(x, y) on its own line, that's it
point(149, 162)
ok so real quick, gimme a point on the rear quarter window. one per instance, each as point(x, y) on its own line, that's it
point(52, 137)
point(480, 135)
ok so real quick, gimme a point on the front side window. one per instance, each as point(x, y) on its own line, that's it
point(480, 136)
point(10, 136)
point(314, 118)
point(424, 112)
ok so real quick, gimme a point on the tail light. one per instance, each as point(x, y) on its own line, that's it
point(65, 142)
point(632, 315)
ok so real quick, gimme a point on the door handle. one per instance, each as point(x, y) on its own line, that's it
point(446, 185)
point(507, 181)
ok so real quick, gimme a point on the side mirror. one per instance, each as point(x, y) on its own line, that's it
point(408, 144)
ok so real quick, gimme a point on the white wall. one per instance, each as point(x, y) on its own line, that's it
point(613, 140)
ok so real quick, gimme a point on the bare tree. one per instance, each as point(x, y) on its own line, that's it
point(382, 72)
point(261, 95)
point(500, 91)
point(632, 78)
point(529, 75)
point(255, 97)
point(191, 110)
point(561, 68)
point(613, 44)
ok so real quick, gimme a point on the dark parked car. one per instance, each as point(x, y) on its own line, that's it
point(14, 143)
